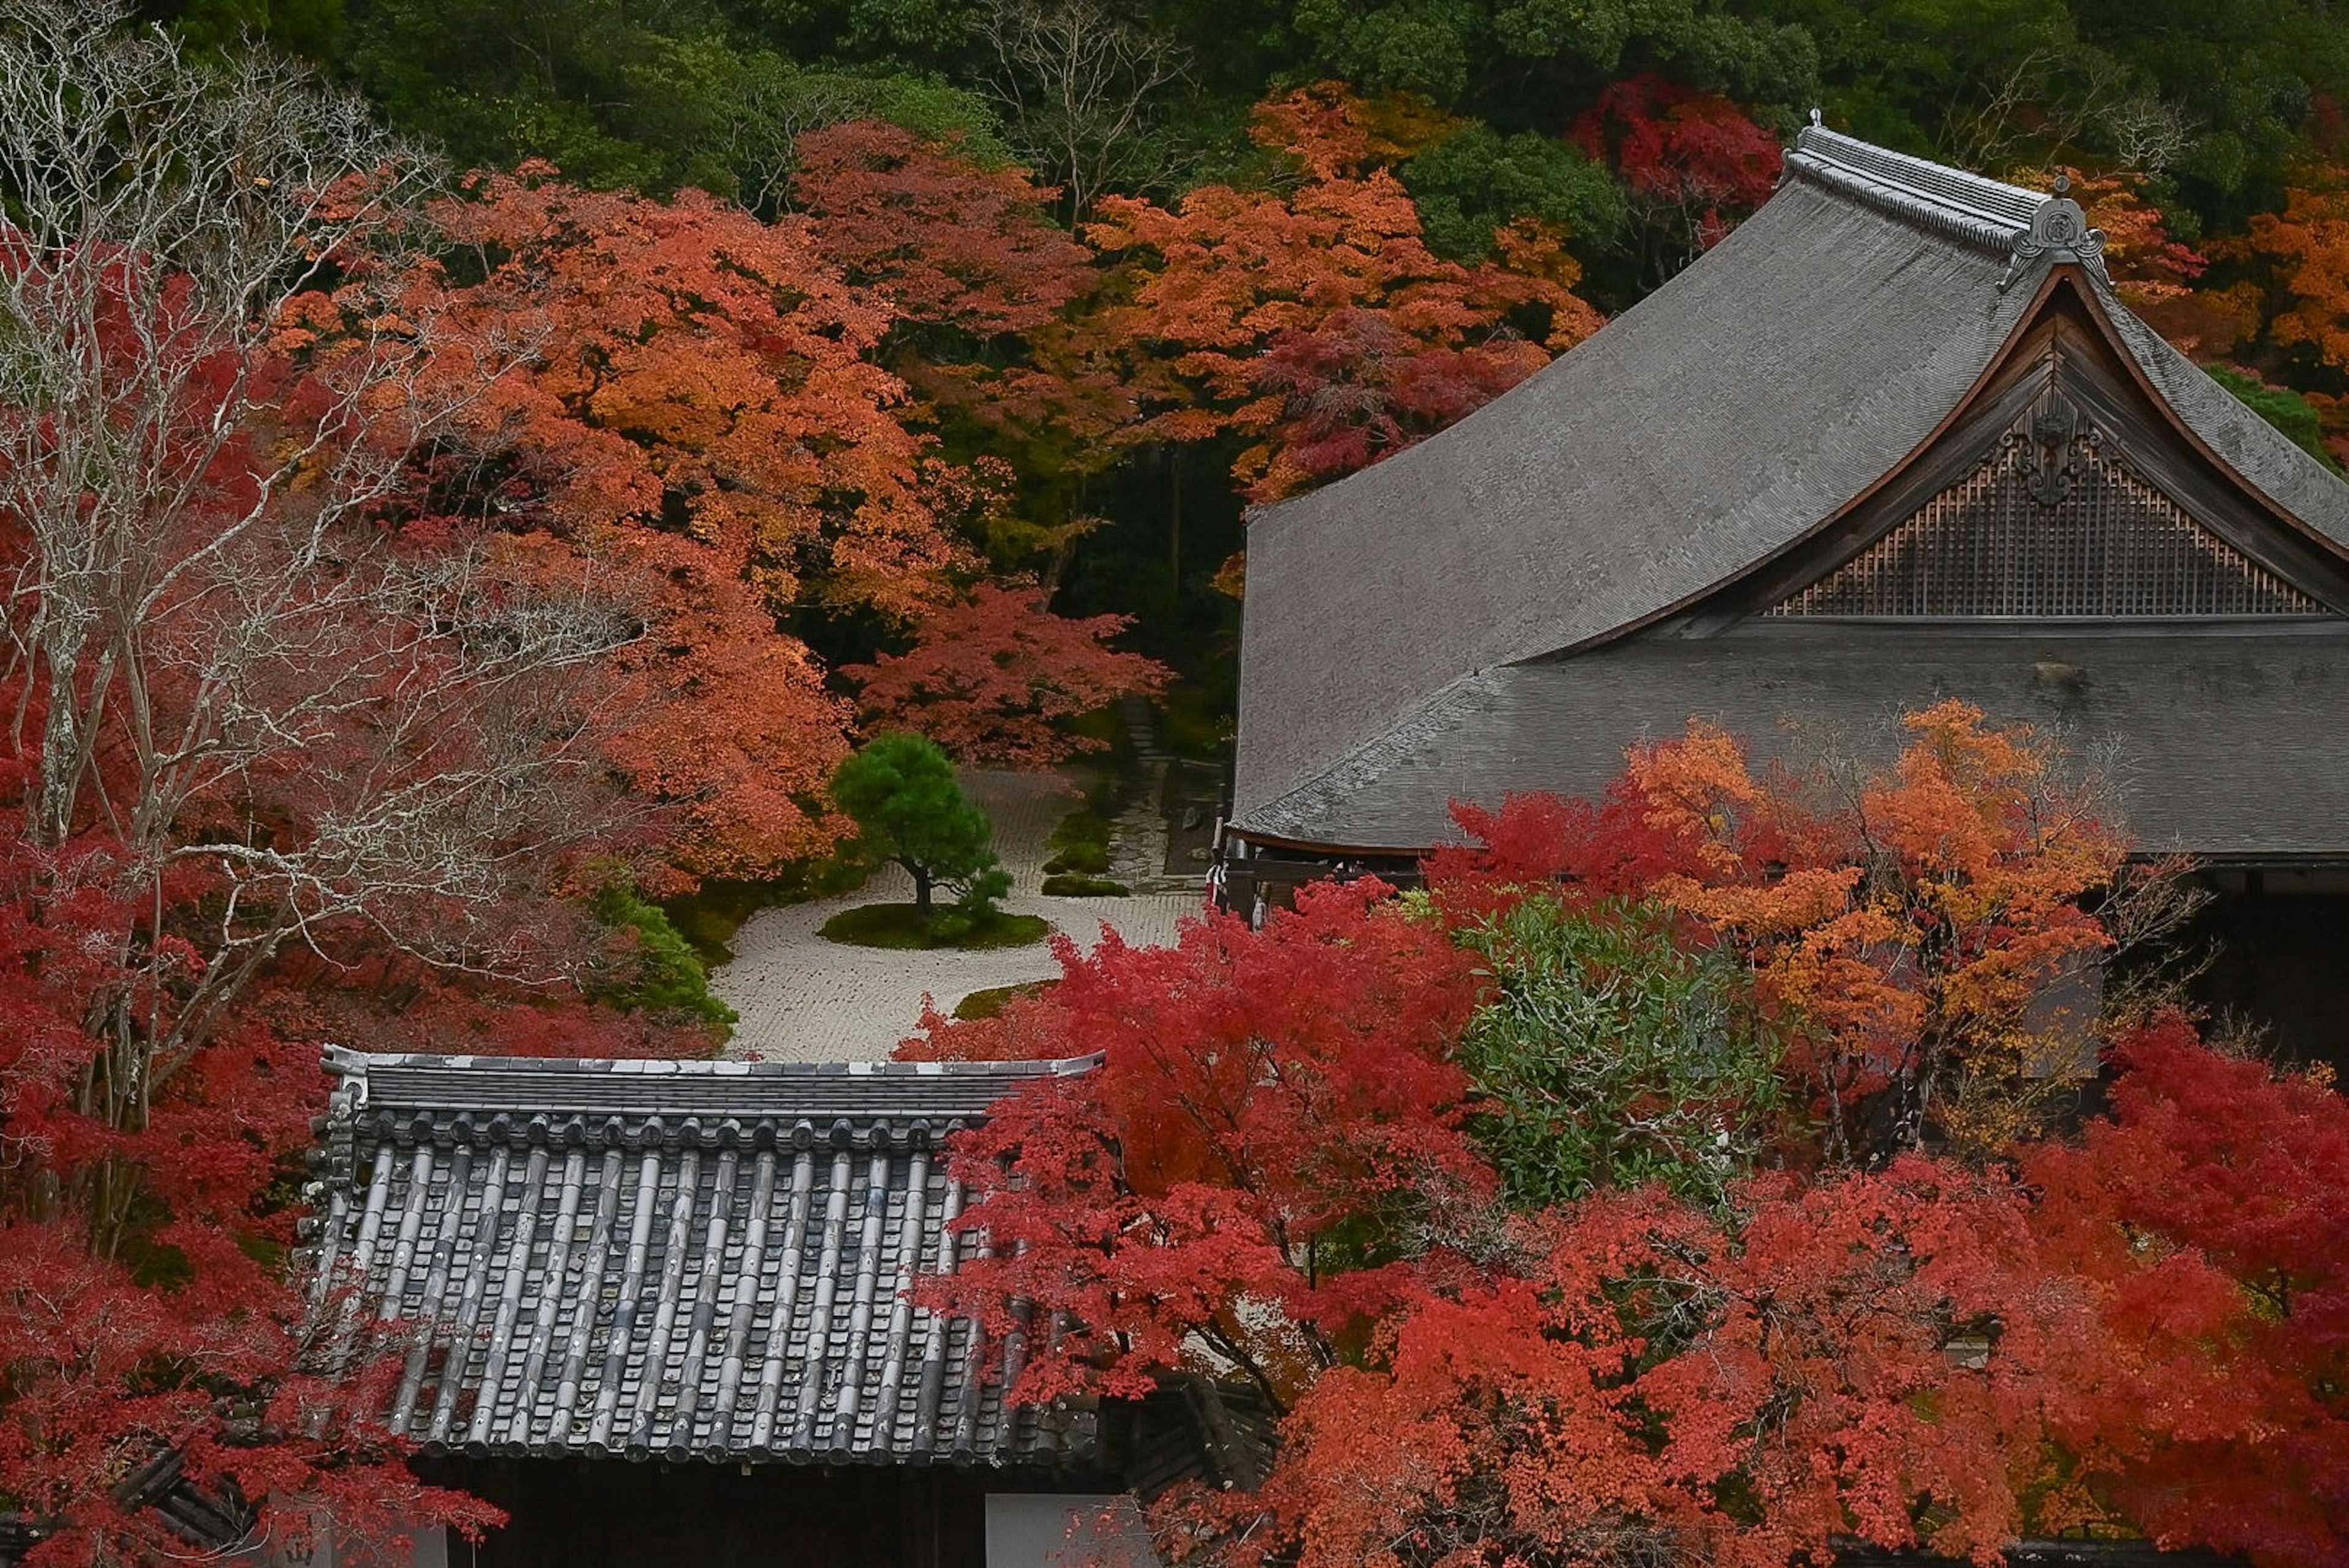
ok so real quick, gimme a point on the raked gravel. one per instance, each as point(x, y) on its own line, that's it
point(803, 999)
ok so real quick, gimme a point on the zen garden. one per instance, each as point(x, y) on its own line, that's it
point(1174, 784)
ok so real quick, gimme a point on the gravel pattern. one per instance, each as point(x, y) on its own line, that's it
point(803, 999)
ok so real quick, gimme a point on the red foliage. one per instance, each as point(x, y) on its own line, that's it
point(1274, 1116)
point(1658, 1380)
point(948, 240)
point(2145, 1327)
point(1313, 319)
point(1355, 390)
point(2209, 1218)
point(991, 679)
point(1680, 148)
point(293, 731)
point(172, 1329)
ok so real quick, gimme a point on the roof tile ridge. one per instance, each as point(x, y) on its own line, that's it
point(1988, 214)
point(343, 1062)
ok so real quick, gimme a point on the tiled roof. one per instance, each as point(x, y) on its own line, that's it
point(674, 1260)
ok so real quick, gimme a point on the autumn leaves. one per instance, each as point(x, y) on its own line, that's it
point(1676, 1179)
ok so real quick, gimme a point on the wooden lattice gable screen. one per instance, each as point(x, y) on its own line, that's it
point(2053, 522)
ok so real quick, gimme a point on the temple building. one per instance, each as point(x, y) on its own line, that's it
point(663, 1312)
point(1893, 439)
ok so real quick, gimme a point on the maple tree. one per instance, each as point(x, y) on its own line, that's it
point(1312, 320)
point(1313, 1157)
point(1693, 162)
point(992, 680)
point(1274, 1126)
point(694, 419)
point(2205, 1215)
point(2305, 247)
point(1920, 924)
point(987, 295)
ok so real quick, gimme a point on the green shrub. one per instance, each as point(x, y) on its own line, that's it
point(668, 975)
point(709, 917)
point(1081, 843)
point(991, 1001)
point(1611, 1056)
point(1064, 886)
point(2281, 407)
point(902, 926)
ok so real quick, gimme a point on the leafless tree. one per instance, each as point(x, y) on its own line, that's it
point(2145, 134)
point(1077, 81)
point(2059, 96)
point(212, 376)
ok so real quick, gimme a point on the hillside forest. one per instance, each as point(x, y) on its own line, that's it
point(471, 471)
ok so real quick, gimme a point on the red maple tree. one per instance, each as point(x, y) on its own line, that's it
point(1695, 162)
point(1276, 1173)
point(1273, 1126)
point(993, 679)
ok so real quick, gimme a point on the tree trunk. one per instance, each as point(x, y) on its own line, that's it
point(921, 891)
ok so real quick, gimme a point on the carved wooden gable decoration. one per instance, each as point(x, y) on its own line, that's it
point(2061, 493)
point(2055, 522)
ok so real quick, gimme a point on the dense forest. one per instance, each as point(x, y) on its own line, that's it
point(1595, 145)
point(471, 471)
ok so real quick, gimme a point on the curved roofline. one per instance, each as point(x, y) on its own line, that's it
point(2091, 292)
point(1988, 214)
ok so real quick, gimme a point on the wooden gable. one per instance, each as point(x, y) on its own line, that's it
point(2059, 492)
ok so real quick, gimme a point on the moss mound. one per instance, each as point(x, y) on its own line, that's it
point(899, 926)
point(1065, 885)
point(987, 1003)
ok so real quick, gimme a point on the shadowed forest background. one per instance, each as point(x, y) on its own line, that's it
point(1589, 147)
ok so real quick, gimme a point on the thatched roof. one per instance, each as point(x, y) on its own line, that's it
point(1739, 411)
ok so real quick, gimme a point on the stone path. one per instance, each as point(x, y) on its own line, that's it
point(803, 999)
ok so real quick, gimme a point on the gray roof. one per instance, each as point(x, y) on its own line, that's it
point(2226, 747)
point(1718, 422)
point(675, 1260)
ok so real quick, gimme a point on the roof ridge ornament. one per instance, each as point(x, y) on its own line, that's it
point(2059, 232)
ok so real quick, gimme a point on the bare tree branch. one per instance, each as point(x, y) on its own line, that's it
point(1077, 81)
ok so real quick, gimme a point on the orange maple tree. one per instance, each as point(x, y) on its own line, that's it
point(987, 294)
point(2305, 248)
point(1920, 926)
point(994, 678)
point(1310, 319)
point(688, 410)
